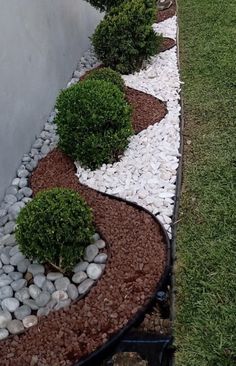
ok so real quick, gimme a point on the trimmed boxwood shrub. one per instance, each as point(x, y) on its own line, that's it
point(107, 74)
point(105, 5)
point(55, 227)
point(125, 37)
point(94, 122)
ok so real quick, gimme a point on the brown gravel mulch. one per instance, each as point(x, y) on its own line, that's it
point(137, 260)
point(167, 44)
point(165, 14)
point(147, 109)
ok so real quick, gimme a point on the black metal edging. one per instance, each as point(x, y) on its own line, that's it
point(139, 315)
point(171, 246)
point(179, 180)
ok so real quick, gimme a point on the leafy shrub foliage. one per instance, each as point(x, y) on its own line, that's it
point(125, 37)
point(105, 5)
point(94, 122)
point(107, 74)
point(55, 227)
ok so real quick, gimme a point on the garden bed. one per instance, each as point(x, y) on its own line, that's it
point(130, 281)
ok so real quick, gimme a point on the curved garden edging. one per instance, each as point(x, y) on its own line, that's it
point(170, 32)
point(142, 227)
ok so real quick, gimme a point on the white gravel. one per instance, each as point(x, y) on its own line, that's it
point(146, 174)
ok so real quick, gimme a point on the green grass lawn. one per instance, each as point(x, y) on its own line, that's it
point(205, 327)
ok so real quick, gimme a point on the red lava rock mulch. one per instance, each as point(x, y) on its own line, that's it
point(167, 44)
point(147, 109)
point(165, 14)
point(137, 260)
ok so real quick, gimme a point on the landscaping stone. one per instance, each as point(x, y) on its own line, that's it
point(30, 321)
point(62, 283)
point(100, 244)
point(22, 173)
point(5, 317)
point(16, 258)
point(95, 237)
point(90, 252)
point(15, 275)
point(39, 280)
point(9, 227)
point(62, 304)
point(100, 258)
point(15, 326)
point(23, 265)
point(72, 291)
point(31, 303)
point(10, 304)
point(43, 311)
point(3, 213)
point(8, 240)
point(34, 291)
point(48, 286)
point(23, 182)
point(53, 276)
point(23, 294)
point(85, 286)
point(22, 312)
point(8, 268)
point(12, 190)
point(43, 298)
point(26, 191)
point(35, 268)
point(5, 258)
point(5, 280)
point(79, 277)
point(16, 181)
point(10, 198)
point(59, 295)
point(3, 334)
point(5, 291)
point(81, 266)
point(18, 284)
point(14, 250)
point(94, 271)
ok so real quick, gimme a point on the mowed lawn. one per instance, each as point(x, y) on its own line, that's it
point(205, 326)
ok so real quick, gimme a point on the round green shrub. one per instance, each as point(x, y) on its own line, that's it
point(105, 5)
point(94, 122)
point(107, 74)
point(55, 227)
point(125, 37)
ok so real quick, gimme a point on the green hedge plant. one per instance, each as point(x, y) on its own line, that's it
point(107, 74)
point(94, 122)
point(105, 5)
point(125, 37)
point(55, 227)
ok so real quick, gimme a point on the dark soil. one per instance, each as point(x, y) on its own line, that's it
point(128, 359)
point(165, 14)
point(137, 260)
point(154, 323)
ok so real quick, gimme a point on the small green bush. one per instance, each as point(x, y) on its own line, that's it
point(94, 122)
point(105, 5)
point(107, 74)
point(125, 37)
point(55, 227)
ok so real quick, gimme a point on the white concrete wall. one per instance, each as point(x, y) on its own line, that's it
point(41, 42)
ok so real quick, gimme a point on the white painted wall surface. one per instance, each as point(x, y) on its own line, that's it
point(41, 42)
